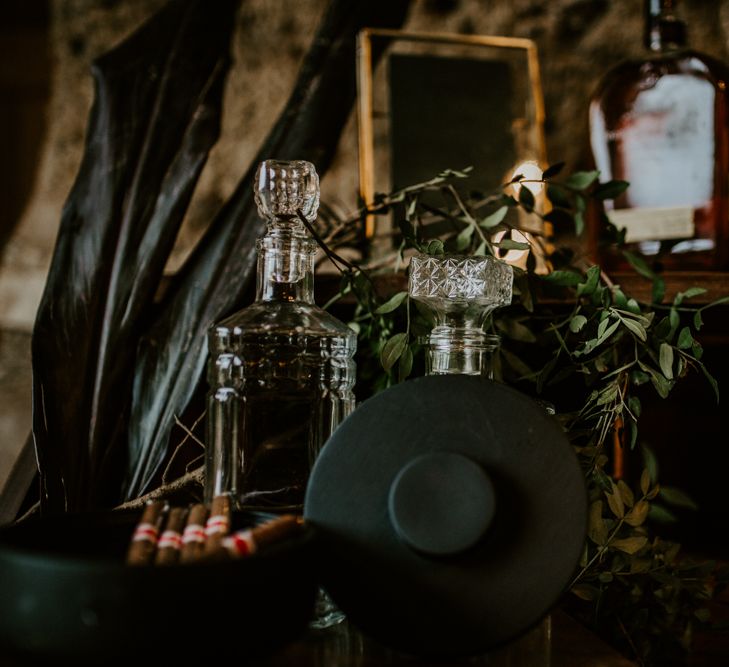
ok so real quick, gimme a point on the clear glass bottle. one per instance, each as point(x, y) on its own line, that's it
point(461, 292)
point(281, 371)
point(662, 123)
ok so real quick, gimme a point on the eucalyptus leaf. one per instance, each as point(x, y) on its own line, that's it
point(510, 244)
point(563, 278)
point(635, 328)
point(581, 180)
point(577, 322)
point(615, 501)
point(405, 364)
point(496, 218)
point(685, 339)
point(638, 514)
point(610, 189)
point(665, 358)
point(630, 545)
point(464, 237)
point(661, 514)
point(393, 349)
point(393, 303)
point(677, 498)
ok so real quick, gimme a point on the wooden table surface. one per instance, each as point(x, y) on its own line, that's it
point(344, 646)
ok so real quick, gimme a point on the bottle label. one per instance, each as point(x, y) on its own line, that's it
point(654, 224)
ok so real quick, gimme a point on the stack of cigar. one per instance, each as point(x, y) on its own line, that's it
point(168, 535)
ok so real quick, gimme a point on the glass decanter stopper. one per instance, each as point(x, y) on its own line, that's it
point(281, 371)
point(461, 292)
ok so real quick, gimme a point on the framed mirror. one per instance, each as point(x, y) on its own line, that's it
point(430, 102)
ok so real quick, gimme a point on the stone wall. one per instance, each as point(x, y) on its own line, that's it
point(577, 40)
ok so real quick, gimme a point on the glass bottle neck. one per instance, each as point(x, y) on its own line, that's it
point(463, 350)
point(663, 31)
point(285, 266)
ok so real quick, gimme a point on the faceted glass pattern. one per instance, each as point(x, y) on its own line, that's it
point(282, 188)
point(449, 279)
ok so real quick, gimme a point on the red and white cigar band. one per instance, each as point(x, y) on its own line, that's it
point(240, 543)
point(217, 524)
point(193, 533)
point(145, 532)
point(170, 539)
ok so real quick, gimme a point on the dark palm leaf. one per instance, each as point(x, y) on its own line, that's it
point(218, 274)
point(154, 119)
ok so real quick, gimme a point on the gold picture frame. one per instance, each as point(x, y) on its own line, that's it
point(399, 77)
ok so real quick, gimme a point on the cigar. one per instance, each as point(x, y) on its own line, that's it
point(144, 540)
point(170, 542)
point(193, 539)
point(247, 542)
point(218, 524)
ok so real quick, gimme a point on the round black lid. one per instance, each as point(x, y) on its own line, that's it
point(452, 512)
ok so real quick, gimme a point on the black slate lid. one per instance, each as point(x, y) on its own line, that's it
point(452, 513)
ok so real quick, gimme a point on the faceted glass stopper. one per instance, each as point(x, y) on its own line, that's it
point(451, 280)
point(284, 187)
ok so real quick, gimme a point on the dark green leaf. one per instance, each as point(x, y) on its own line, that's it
point(464, 237)
point(698, 320)
point(577, 322)
point(393, 303)
point(634, 406)
point(677, 498)
point(435, 247)
point(688, 294)
point(496, 218)
point(552, 170)
point(596, 528)
point(516, 363)
point(405, 365)
point(155, 117)
point(563, 278)
point(665, 359)
point(635, 328)
point(660, 514)
point(591, 280)
point(685, 339)
point(393, 349)
point(509, 244)
point(526, 198)
point(579, 222)
point(659, 289)
point(516, 330)
point(639, 264)
point(558, 196)
point(582, 179)
point(712, 381)
point(615, 501)
point(630, 545)
point(651, 463)
point(610, 190)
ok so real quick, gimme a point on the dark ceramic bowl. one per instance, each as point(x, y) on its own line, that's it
point(66, 597)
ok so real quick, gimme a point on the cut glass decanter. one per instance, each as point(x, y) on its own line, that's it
point(281, 371)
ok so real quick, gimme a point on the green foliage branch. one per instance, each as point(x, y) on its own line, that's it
point(579, 340)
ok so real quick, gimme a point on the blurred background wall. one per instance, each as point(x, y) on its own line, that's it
point(46, 91)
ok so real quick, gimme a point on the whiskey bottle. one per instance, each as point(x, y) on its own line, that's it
point(281, 371)
point(662, 124)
